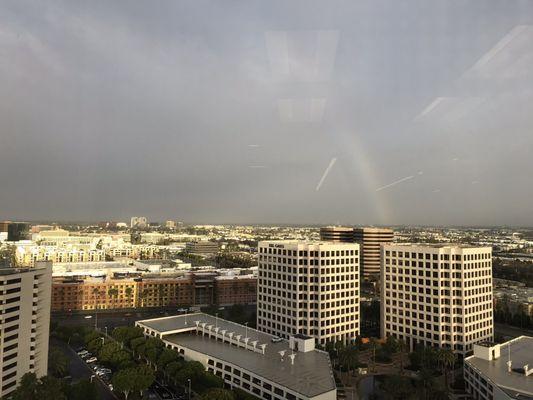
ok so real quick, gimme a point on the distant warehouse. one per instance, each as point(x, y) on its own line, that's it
point(201, 247)
point(254, 361)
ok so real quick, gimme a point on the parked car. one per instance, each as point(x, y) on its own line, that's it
point(82, 352)
point(91, 360)
point(110, 386)
point(276, 339)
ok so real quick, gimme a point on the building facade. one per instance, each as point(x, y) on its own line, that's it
point(371, 240)
point(202, 247)
point(309, 288)
point(89, 293)
point(437, 295)
point(342, 234)
point(25, 299)
point(28, 256)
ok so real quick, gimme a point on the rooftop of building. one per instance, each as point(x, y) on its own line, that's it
point(4, 271)
point(310, 375)
point(437, 245)
point(308, 243)
point(514, 383)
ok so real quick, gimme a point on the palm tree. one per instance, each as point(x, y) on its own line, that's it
point(113, 293)
point(129, 292)
point(401, 352)
point(96, 294)
point(446, 359)
point(349, 358)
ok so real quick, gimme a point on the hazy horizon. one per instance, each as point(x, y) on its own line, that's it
point(310, 112)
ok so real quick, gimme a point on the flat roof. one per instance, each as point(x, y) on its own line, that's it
point(521, 353)
point(310, 375)
point(437, 245)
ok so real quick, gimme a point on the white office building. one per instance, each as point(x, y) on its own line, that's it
point(500, 371)
point(309, 288)
point(25, 301)
point(139, 222)
point(437, 295)
point(248, 359)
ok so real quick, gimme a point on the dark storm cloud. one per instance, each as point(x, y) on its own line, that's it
point(219, 111)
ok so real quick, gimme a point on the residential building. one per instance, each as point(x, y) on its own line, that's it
point(25, 295)
point(232, 289)
point(201, 247)
point(500, 371)
point(73, 292)
point(28, 255)
point(337, 234)
point(309, 288)
point(437, 295)
point(248, 359)
point(371, 239)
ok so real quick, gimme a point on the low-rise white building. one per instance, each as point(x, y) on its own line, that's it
point(500, 371)
point(248, 359)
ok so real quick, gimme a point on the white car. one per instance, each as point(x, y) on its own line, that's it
point(110, 386)
point(276, 339)
point(91, 360)
point(88, 317)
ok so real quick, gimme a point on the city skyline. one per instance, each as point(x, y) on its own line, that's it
point(385, 114)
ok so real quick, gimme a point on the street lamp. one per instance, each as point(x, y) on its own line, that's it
point(105, 330)
point(103, 340)
point(189, 382)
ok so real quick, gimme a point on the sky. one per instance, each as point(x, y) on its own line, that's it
point(305, 112)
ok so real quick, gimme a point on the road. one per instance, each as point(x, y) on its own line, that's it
point(107, 318)
point(79, 370)
point(509, 331)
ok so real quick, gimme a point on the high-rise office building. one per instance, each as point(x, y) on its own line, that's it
point(15, 230)
point(25, 295)
point(437, 295)
point(309, 288)
point(342, 234)
point(371, 240)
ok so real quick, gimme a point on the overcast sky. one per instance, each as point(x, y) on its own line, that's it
point(350, 112)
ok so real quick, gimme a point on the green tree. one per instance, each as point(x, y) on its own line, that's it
point(113, 293)
point(446, 359)
point(83, 390)
point(50, 388)
point(349, 358)
point(165, 357)
point(58, 362)
point(27, 389)
point(218, 394)
point(144, 378)
point(129, 293)
point(397, 388)
point(135, 343)
point(124, 381)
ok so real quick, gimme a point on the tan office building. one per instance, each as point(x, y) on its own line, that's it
point(25, 299)
point(342, 234)
point(371, 240)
